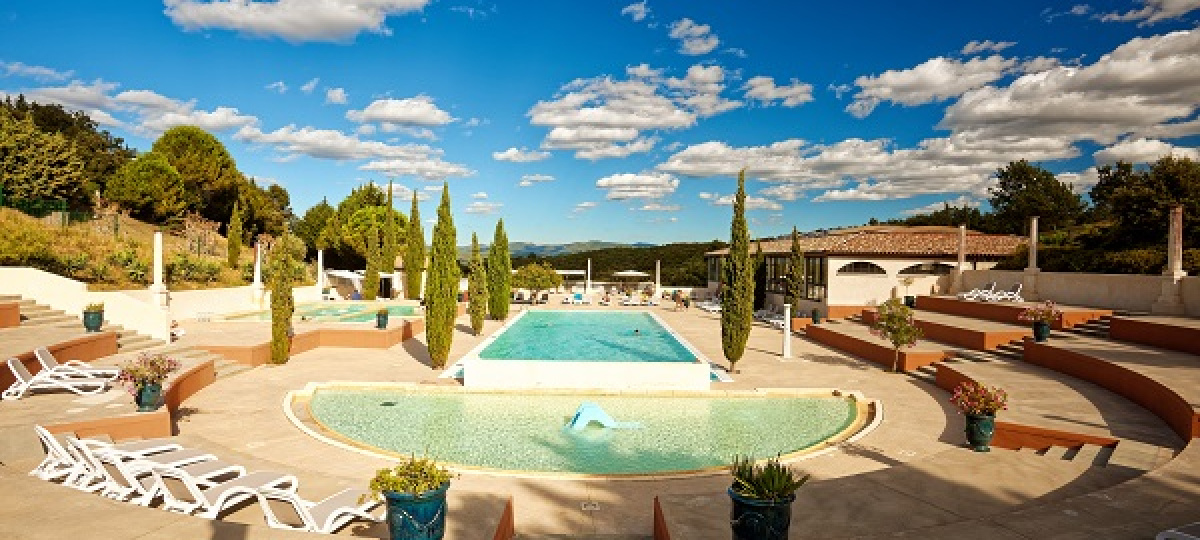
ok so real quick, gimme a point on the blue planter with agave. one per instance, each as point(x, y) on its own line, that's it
point(758, 519)
point(420, 516)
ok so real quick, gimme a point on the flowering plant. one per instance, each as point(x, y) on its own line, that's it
point(146, 369)
point(1046, 312)
point(973, 398)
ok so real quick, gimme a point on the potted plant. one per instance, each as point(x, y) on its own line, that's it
point(979, 403)
point(144, 376)
point(93, 317)
point(1042, 316)
point(415, 495)
point(816, 316)
point(907, 281)
point(895, 324)
point(762, 496)
point(381, 318)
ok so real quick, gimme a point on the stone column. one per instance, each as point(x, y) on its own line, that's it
point(587, 287)
point(257, 290)
point(657, 280)
point(321, 269)
point(957, 285)
point(787, 330)
point(1029, 282)
point(1170, 302)
point(158, 289)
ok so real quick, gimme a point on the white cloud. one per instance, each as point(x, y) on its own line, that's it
point(415, 111)
point(432, 188)
point(987, 45)
point(479, 195)
point(412, 131)
point(752, 203)
point(402, 192)
point(933, 80)
point(583, 207)
point(429, 167)
point(217, 120)
point(1081, 181)
point(643, 71)
point(76, 95)
point(1153, 11)
point(311, 85)
point(277, 86)
point(656, 207)
point(1142, 151)
point(701, 90)
point(148, 100)
point(292, 20)
point(332, 144)
point(336, 95)
point(962, 201)
point(637, 11)
point(613, 150)
point(38, 73)
point(763, 89)
point(694, 38)
point(481, 207)
point(645, 185)
point(366, 129)
point(783, 192)
point(531, 179)
point(520, 155)
point(707, 196)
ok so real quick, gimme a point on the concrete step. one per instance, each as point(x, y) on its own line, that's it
point(521, 536)
point(1027, 450)
point(1057, 452)
point(1090, 453)
point(11, 298)
point(1134, 455)
point(51, 320)
point(231, 369)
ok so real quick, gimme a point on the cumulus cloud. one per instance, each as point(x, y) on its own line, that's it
point(752, 203)
point(405, 193)
point(643, 71)
point(583, 207)
point(336, 95)
point(694, 38)
point(657, 207)
point(520, 155)
point(479, 195)
point(962, 201)
point(935, 79)
point(311, 85)
point(637, 12)
point(218, 120)
point(644, 185)
point(531, 179)
point(701, 90)
point(292, 20)
point(1142, 151)
point(38, 73)
point(1081, 181)
point(414, 111)
point(763, 89)
point(76, 95)
point(987, 45)
point(277, 86)
point(155, 113)
point(783, 192)
point(1153, 11)
point(482, 207)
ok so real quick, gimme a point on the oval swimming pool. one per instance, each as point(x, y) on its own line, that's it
point(526, 433)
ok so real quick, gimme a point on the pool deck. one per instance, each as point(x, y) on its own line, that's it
point(904, 472)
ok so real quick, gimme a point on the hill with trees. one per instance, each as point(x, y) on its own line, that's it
point(682, 263)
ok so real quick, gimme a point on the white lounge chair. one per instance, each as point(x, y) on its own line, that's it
point(71, 368)
point(25, 382)
point(183, 493)
point(1013, 294)
point(978, 294)
point(114, 474)
point(59, 464)
point(286, 510)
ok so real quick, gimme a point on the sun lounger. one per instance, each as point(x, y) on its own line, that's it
point(978, 294)
point(59, 464)
point(286, 510)
point(71, 368)
point(25, 382)
point(182, 493)
point(1013, 294)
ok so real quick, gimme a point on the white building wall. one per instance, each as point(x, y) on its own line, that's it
point(869, 290)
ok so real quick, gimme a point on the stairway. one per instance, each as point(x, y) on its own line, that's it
point(1097, 328)
point(1134, 456)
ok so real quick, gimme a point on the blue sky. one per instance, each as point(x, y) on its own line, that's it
point(628, 121)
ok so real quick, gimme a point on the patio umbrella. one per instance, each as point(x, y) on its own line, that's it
point(630, 274)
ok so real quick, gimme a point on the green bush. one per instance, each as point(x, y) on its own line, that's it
point(184, 267)
point(1144, 261)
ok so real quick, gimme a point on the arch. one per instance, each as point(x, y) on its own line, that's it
point(928, 269)
point(861, 268)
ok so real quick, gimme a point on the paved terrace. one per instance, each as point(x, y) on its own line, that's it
point(240, 418)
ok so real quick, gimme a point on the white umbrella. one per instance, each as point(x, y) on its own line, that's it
point(630, 273)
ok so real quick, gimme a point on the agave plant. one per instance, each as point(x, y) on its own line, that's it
point(770, 481)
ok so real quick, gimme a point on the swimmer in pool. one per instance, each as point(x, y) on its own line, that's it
point(637, 332)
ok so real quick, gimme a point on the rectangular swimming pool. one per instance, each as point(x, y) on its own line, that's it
point(586, 349)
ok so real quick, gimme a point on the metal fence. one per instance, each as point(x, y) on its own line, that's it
point(46, 208)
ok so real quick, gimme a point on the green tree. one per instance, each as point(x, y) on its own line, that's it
point(537, 278)
point(895, 324)
point(345, 233)
point(309, 227)
point(281, 276)
point(1112, 178)
point(149, 188)
point(1143, 202)
point(388, 261)
point(737, 300)
point(477, 288)
point(795, 279)
point(414, 253)
point(233, 236)
point(499, 274)
point(1023, 191)
point(209, 173)
point(37, 165)
point(374, 258)
point(441, 302)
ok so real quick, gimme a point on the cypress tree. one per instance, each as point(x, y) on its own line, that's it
point(387, 263)
point(233, 235)
point(477, 288)
point(283, 304)
point(499, 274)
point(441, 305)
point(795, 282)
point(374, 258)
point(737, 302)
point(414, 253)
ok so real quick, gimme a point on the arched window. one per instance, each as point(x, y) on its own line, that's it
point(861, 268)
point(928, 269)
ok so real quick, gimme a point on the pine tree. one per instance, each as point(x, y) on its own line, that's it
point(414, 253)
point(441, 304)
point(795, 281)
point(737, 301)
point(499, 274)
point(477, 288)
point(387, 264)
point(374, 258)
point(283, 304)
point(233, 236)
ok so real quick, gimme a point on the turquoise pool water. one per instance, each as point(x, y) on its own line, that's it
point(525, 432)
point(587, 336)
point(332, 312)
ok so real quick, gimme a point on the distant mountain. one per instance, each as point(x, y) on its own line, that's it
point(524, 249)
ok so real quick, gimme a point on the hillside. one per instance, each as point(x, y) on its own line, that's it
point(521, 249)
point(682, 263)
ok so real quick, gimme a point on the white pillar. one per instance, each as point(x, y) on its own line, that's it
point(587, 287)
point(158, 289)
point(1029, 285)
point(1170, 301)
point(1033, 243)
point(787, 330)
point(957, 286)
point(257, 289)
point(657, 279)
point(321, 269)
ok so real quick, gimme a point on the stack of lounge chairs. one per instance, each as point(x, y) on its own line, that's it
point(771, 317)
point(988, 293)
point(190, 481)
point(711, 306)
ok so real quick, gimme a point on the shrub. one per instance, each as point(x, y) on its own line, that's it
point(770, 481)
point(146, 369)
point(413, 477)
point(896, 325)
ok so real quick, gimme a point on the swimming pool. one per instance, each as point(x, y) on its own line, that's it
point(586, 349)
point(525, 433)
point(333, 312)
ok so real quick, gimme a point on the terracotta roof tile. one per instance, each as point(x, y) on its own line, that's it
point(895, 241)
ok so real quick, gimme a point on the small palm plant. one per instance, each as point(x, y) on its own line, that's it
point(895, 324)
point(771, 481)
